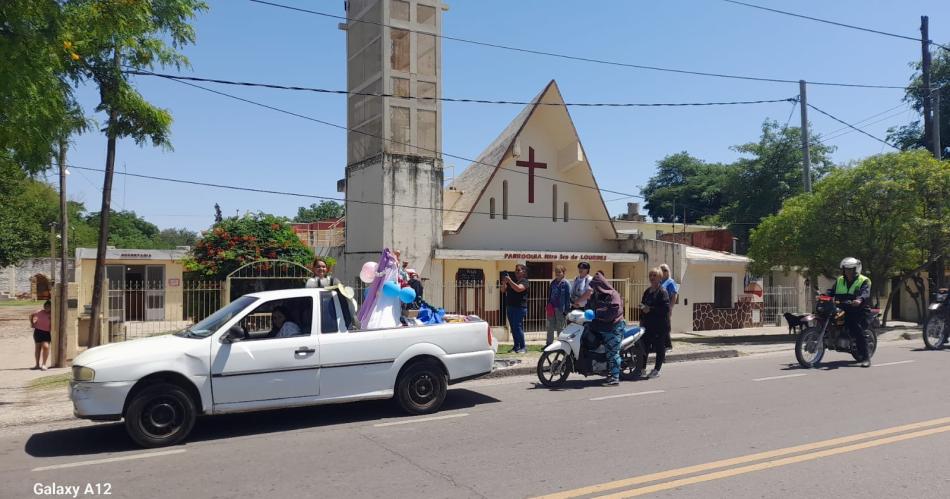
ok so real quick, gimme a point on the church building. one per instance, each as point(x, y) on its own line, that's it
point(530, 197)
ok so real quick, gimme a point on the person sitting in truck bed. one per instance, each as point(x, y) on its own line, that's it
point(282, 327)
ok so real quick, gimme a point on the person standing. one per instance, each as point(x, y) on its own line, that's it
point(559, 303)
point(321, 274)
point(40, 321)
point(580, 289)
point(671, 287)
point(416, 284)
point(608, 323)
point(655, 319)
point(516, 304)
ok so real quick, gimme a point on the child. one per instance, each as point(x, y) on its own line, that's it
point(40, 321)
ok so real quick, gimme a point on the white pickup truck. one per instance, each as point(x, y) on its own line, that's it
point(270, 350)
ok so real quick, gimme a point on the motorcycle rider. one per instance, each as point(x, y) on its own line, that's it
point(854, 287)
point(608, 323)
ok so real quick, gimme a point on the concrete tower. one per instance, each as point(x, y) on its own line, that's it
point(393, 181)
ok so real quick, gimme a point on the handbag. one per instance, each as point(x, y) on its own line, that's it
point(549, 310)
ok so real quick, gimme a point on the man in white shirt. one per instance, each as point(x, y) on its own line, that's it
point(284, 327)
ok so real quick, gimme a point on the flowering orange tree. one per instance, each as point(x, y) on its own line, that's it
point(235, 241)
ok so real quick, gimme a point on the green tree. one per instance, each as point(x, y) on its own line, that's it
point(771, 173)
point(109, 38)
point(686, 182)
point(37, 106)
point(235, 241)
point(885, 211)
point(314, 212)
point(172, 238)
point(911, 135)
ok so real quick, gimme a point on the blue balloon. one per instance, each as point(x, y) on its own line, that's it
point(589, 314)
point(407, 295)
point(390, 289)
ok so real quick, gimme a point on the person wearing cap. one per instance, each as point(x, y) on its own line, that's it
point(580, 289)
point(416, 284)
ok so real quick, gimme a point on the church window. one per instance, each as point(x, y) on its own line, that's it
point(399, 128)
point(554, 203)
point(504, 200)
point(399, 52)
point(425, 54)
point(491, 208)
point(425, 14)
point(399, 10)
point(427, 131)
point(565, 212)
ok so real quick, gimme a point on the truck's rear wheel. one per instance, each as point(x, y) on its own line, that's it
point(159, 415)
point(421, 388)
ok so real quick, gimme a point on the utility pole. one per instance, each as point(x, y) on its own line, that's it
point(806, 155)
point(938, 146)
point(925, 76)
point(52, 255)
point(63, 297)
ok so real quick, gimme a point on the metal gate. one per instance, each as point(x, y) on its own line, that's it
point(778, 300)
point(265, 275)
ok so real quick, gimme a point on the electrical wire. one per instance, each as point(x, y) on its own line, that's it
point(835, 23)
point(578, 58)
point(448, 99)
point(849, 125)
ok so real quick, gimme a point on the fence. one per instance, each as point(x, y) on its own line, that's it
point(475, 298)
point(142, 309)
point(778, 300)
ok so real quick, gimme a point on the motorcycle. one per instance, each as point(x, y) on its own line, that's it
point(936, 325)
point(579, 350)
point(826, 331)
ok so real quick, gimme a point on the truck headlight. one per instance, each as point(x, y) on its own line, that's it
point(82, 373)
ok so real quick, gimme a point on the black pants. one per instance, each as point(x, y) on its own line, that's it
point(856, 322)
point(658, 348)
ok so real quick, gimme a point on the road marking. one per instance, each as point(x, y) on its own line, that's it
point(674, 473)
point(781, 377)
point(627, 395)
point(421, 420)
point(774, 463)
point(894, 363)
point(110, 460)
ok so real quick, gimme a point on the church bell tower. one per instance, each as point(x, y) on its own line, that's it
point(394, 172)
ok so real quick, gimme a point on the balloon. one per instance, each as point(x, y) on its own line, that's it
point(407, 295)
point(390, 289)
point(368, 272)
point(589, 315)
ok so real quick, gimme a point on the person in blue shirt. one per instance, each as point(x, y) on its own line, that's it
point(672, 289)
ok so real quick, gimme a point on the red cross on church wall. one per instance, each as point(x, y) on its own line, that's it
point(531, 165)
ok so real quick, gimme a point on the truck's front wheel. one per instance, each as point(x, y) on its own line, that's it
point(159, 415)
point(421, 388)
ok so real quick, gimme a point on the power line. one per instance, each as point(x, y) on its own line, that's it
point(843, 25)
point(832, 136)
point(448, 99)
point(578, 58)
point(442, 153)
point(849, 125)
point(868, 118)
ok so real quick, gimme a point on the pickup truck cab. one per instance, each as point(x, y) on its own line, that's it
point(269, 350)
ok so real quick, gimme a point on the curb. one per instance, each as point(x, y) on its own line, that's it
point(522, 370)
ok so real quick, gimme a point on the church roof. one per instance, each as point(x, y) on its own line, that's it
point(473, 181)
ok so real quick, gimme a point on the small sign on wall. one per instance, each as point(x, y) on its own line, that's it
point(174, 283)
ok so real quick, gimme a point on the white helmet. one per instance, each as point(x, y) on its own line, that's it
point(851, 263)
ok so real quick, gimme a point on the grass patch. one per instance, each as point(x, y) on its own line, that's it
point(507, 349)
point(21, 303)
point(51, 382)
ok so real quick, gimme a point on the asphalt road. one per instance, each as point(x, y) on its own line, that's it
point(747, 427)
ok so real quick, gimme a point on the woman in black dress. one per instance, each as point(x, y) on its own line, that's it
point(655, 319)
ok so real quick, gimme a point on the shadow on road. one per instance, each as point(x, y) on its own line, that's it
point(107, 438)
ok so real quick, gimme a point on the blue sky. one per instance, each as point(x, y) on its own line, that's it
point(216, 139)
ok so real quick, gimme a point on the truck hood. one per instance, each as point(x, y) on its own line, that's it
point(145, 350)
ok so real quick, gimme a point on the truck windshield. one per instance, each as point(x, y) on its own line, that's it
point(214, 321)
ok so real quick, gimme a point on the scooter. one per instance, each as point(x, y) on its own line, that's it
point(579, 350)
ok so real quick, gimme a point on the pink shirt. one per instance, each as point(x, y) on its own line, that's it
point(42, 320)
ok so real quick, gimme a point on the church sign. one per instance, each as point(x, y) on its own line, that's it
point(535, 256)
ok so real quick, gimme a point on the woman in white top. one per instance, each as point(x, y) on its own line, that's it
point(580, 288)
point(280, 326)
point(321, 275)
